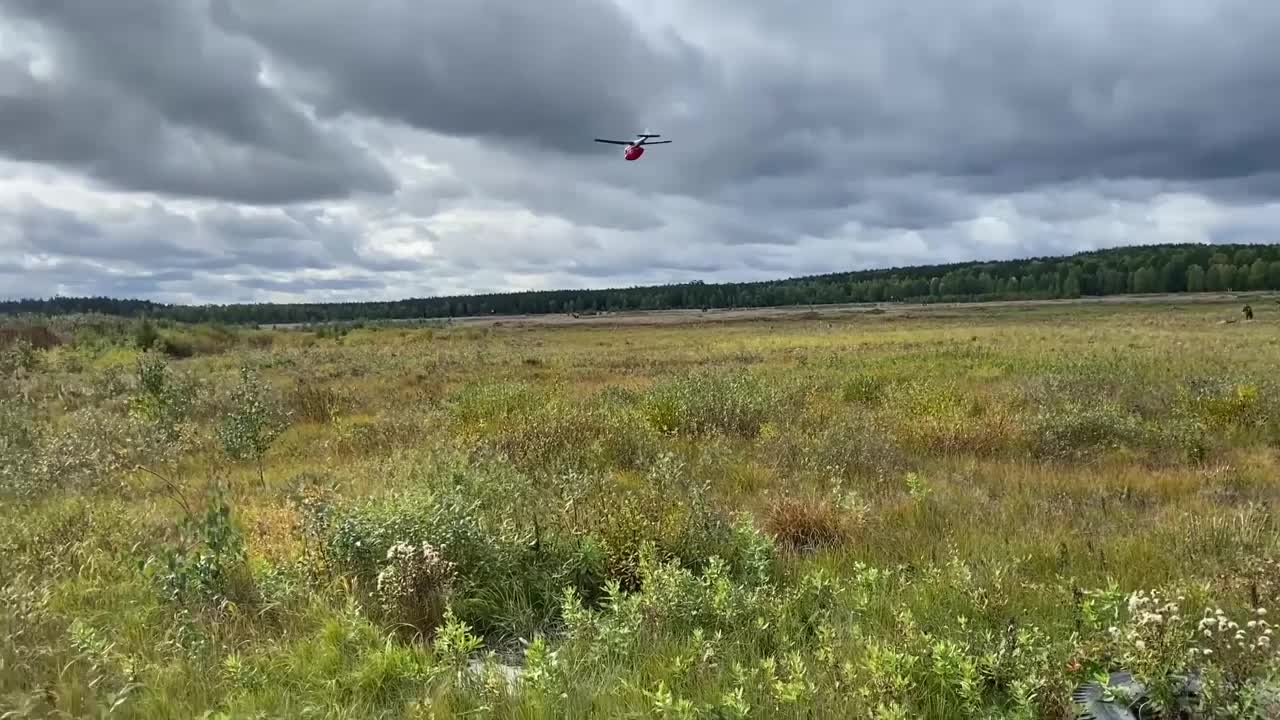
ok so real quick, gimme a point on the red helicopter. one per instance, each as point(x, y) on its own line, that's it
point(635, 149)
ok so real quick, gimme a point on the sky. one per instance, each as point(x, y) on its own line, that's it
point(196, 151)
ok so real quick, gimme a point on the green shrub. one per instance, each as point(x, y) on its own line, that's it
point(671, 512)
point(253, 423)
point(753, 616)
point(1075, 429)
point(864, 389)
point(208, 564)
point(731, 402)
point(484, 562)
point(513, 545)
point(87, 450)
point(1219, 404)
point(18, 448)
point(146, 336)
point(161, 399)
point(17, 355)
point(178, 347)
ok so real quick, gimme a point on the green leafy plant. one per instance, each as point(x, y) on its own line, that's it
point(253, 423)
point(207, 564)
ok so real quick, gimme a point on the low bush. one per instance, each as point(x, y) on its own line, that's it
point(1220, 404)
point(207, 565)
point(729, 402)
point(360, 540)
point(512, 550)
point(865, 389)
point(1076, 430)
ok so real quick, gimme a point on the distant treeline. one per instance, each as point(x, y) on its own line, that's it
point(1116, 271)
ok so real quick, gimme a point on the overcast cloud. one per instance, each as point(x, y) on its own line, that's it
point(239, 150)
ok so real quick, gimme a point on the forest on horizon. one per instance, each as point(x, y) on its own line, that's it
point(1114, 271)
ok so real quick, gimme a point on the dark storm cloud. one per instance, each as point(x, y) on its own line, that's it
point(222, 254)
point(800, 108)
point(1079, 201)
point(230, 223)
point(143, 238)
point(997, 96)
point(554, 73)
point(914, 207)
point(731, 230)
point(75, 277)
point(586, 204)
point(1027, 94)
point(218, 240)
point(149, 95)
point(155, 237)
point(808, 138)
point(1243, 191)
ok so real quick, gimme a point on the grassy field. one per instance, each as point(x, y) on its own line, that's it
point(947, 513)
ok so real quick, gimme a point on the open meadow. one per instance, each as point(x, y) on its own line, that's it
point(950, 513)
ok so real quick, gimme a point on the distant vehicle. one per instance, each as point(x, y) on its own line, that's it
point(635, 148)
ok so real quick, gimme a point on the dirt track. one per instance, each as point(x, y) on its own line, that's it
point(673, 317)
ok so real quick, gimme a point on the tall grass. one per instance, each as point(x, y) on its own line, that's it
point(958, 515)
